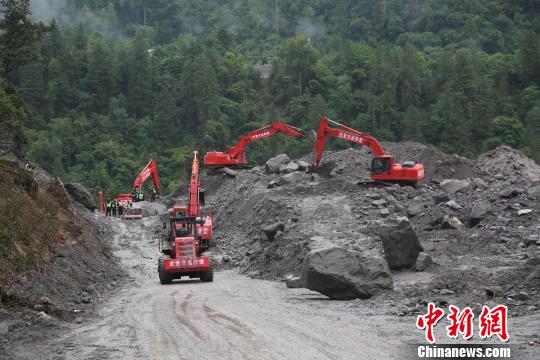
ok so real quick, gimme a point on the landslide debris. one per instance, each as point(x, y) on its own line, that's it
point(475, 222)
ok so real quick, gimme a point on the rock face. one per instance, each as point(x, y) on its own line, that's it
point(273, 164)
point(81, 194)
point(341, 273)
point(452, 186)
point(480, 210)
point(400, 243)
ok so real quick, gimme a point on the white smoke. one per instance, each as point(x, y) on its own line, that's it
point(67, 15)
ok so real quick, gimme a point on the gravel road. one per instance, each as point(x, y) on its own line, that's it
point(234, 317)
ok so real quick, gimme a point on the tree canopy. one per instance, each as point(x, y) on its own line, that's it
point(114, 83)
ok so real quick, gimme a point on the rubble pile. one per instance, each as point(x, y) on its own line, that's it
point(469, 222)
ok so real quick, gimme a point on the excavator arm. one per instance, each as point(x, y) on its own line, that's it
point(343, 132)
point(146, 172)
point(236, 155)
point(194, 205)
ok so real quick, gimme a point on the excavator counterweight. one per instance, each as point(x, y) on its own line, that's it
point(384, 168)
point(236, 155)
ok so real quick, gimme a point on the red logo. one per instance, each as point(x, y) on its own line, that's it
point(428, 321)
point(494, 322)
point(460, 322)
point(491, 322)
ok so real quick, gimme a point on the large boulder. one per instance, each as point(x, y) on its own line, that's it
point(273, 164)
point(480, 210)
point(342, 272)
point(452, 186)
point(81, 194)
point(400, 243)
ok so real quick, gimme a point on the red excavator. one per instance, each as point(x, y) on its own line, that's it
point(146, 172)
point(384, 168)
point(188, 238)
point(236, 155)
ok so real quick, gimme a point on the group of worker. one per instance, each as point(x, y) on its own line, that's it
point(117, 207)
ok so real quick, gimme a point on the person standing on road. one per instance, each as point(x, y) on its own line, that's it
point(120, 208)
point(109, 207)
point(114, 206)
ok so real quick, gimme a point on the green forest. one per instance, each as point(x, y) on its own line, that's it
point(102, 86)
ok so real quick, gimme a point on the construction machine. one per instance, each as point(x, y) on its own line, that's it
point(384, 167)
point(189, 236)
point(236, 155)
point(146, 172)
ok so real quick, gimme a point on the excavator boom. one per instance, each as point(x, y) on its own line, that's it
point(146, 172)
point(236, 155)
point(383, 166)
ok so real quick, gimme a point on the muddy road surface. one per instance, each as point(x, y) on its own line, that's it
point(235, 317)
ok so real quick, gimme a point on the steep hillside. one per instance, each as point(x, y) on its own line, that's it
point(53, 260)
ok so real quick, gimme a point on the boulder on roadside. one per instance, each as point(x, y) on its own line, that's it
point(423, 262)
point(400, 243)
point(452, 186)
point(480, 210)
point(273, 164)
point(451, 222)
point(345, 273)
point(293, 282)
point(288, 168)
point(81, 194)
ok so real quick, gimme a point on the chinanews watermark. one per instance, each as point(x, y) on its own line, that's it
point(460, 324)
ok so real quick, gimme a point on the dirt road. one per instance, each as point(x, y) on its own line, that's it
point(234, 317)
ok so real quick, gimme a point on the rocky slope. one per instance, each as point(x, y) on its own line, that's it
point(54, 262)
point(475, 227)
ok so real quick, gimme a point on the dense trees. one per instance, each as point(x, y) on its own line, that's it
point(136, 79)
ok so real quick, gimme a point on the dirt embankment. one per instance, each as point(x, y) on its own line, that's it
point(54, 263)
point(476, 220)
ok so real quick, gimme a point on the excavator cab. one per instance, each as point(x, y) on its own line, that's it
point(381, 165)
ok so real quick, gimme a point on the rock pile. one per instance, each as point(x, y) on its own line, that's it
point(333, 234)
